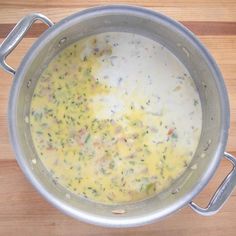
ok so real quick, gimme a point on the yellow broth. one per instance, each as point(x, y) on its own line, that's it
point(115, 118)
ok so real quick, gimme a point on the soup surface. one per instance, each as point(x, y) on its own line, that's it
point(115, 118)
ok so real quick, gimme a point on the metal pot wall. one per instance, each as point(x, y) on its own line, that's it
point(193, 55)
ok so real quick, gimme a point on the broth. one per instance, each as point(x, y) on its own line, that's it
point(115, 117)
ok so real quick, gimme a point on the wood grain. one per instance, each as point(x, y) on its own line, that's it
point(199, 28)
point(23, 207)
point(24, 212)
point(224, 13)
point(89, 3)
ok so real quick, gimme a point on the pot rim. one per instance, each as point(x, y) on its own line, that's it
point(66, 208)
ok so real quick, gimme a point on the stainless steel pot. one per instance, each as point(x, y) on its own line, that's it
point(187, 48)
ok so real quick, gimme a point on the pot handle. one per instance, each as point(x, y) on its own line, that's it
point(16, 35)
point(222, 193)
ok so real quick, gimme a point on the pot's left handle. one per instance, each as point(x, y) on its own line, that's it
point(16, 35)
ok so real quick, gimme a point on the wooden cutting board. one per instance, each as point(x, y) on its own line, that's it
point(24, 212)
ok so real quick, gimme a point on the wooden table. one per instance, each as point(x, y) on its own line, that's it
point(24, 212)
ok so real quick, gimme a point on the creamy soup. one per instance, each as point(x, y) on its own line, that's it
point(115, 118)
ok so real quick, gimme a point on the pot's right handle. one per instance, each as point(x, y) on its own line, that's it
point(221, 194)
point(16, 35)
